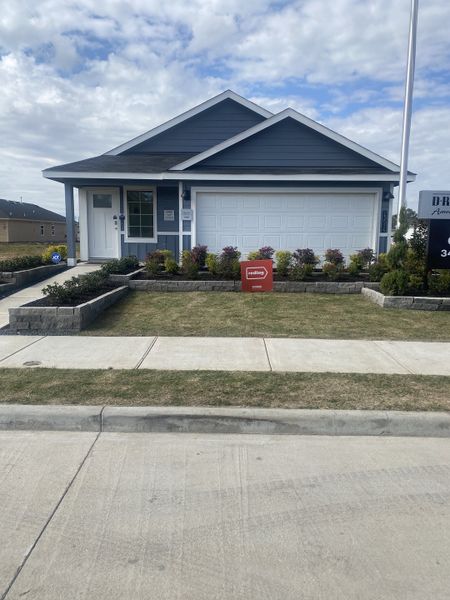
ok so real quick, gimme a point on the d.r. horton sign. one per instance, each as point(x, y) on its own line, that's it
point(434, 205)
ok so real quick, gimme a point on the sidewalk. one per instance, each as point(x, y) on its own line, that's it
point(226, 354)
point(34, 292)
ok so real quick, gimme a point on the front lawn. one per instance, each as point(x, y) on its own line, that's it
point(267, 315)
point(13, 249)
point(218, 388)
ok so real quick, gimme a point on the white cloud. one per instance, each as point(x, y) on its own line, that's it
point(79, 78)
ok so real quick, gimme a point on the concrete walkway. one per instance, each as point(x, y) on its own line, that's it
point(34, 292)
point(226, 354)
point(225, 517)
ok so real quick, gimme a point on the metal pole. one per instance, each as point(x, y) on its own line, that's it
point(407, 109)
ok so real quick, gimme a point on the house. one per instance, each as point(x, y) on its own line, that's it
point(25, 222)
point(229, 172)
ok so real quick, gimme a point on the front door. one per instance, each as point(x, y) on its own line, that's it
point(103, 223)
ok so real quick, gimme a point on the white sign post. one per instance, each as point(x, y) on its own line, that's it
point(434, 205)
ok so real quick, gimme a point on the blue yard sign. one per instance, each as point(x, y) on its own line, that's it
point(56, 258)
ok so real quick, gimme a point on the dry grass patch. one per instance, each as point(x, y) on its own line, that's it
point(267, 315)
point(218, 388)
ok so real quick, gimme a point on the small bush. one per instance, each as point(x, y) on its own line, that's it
point(121, 266)
point(439, 282)
point(189, 267)
point(378, 268)
point(298, 272)
point(171, 266)
point(20, 263)
point(332, 271)
point(212, 263)
point(76, 289)
point(305, 256)
point(334, 256)
point(394, 283)
point(264, 253)
point(355, 265)
point(154, 262)
point(198, 254)
point(253, 255)
point(229, 266)
point(47, 255)
point(283, 260)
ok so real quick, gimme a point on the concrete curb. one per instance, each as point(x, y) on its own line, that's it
point(224, 420)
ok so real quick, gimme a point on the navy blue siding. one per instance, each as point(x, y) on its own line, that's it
point(167, 199)
point(287, 144)
point(210, 127)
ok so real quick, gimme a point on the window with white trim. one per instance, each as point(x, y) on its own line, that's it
point(141, 214)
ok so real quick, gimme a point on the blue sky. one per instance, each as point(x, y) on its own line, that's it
point(80, 78)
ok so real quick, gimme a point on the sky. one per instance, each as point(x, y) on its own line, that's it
point(79, 78)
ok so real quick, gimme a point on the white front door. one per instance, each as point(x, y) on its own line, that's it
point(103, 223)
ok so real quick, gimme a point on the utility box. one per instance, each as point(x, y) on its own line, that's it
point(257, 275)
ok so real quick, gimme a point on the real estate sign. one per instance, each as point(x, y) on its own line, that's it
point(434, 205)
point(257, 275)
point(439, 244)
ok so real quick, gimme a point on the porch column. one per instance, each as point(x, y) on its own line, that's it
point(70, 226)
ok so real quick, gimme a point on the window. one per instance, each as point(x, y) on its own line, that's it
point(53, 229)
point(102, 200)
point(42, 230)
point(141, 214)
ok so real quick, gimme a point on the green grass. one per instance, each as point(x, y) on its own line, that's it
point(13, 249)
point(267, 315)
point(218, 388)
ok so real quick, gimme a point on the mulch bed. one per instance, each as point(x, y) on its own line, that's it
point(206, 276)
point(81, 299)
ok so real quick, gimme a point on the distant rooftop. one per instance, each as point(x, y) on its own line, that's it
point(11, 209)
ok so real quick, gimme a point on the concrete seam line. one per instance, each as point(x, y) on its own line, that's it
point(400, 364)
point(267, 354)
point(101, 419)
point(146, 353)
point(24, 348)
point(47, 523)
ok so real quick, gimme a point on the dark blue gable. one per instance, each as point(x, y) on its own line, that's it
point(287, 144)
point(208, 128)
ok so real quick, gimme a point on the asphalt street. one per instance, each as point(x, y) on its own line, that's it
point(183, 516)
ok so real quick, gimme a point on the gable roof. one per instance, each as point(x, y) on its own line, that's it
point(10, 209)
point(227, 95)
point(285, 114)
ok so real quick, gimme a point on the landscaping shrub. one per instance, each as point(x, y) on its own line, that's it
point(154, 262)
point(77, 289)
point(198, 254)
point(212, 263)
point(264, 253)
point(171, 265)
point(305, 256)
point(299, 272)
point(439, 282)
point(361, 260)
point(283, 262)
point(47, 255)
point(189, 267)
point(228, 263)
point(334, 256)
point(395, 283)
point(333, 271)
point(378, 268)
point(121, 266)
point(20, 263)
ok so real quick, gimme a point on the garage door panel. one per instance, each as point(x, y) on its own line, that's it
point(285, 220)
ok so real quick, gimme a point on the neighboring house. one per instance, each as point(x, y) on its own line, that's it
point(229, 172)
point(25, 222)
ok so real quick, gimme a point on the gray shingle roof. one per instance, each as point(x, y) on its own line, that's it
point(9, 209)
point(123, 163)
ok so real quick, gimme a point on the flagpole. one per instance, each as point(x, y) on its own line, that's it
point(407, 108)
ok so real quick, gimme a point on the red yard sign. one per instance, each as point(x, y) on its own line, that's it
point(257, 275)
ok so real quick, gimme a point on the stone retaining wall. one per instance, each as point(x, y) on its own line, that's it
point(320, 287)
point(408, 302)
point(20, 279)
point(124, 279)
point(47, 319)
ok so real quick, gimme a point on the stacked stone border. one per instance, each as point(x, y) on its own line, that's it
point(13, 280)
point(408, 302)
point(197, 285)
point(33, 320)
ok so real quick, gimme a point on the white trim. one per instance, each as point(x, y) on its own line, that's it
point(228, 94)
point(83, 224)
point(228, 176)
point(376, 192)
point(293, 114)
point(115, 192)
point(180, 222)
point(139, 240)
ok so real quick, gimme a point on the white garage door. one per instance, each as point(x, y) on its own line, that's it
point(286, 221)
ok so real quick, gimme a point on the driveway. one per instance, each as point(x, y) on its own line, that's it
point(181, 516)
point(33, 292)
